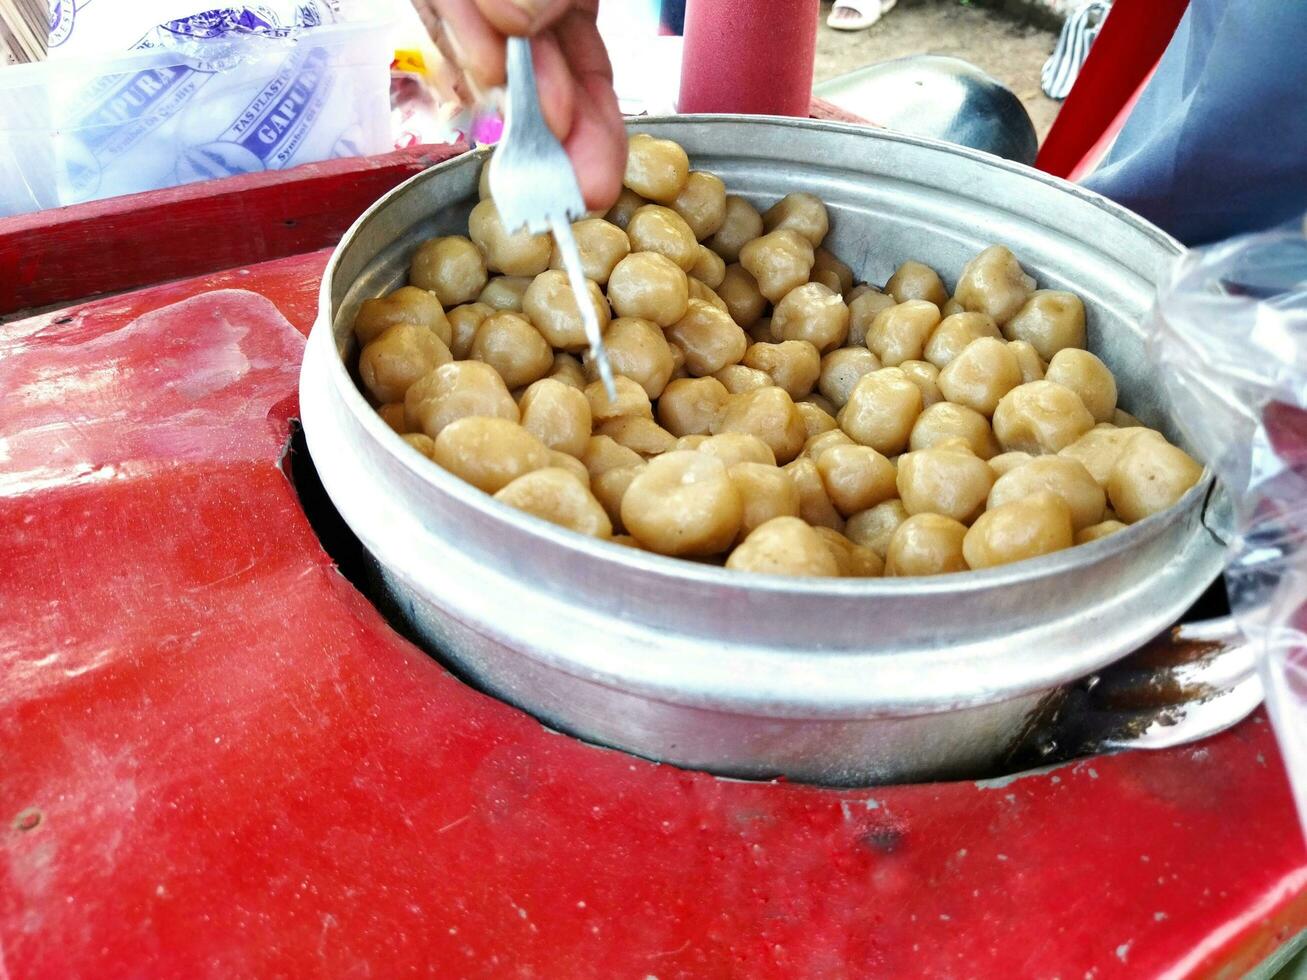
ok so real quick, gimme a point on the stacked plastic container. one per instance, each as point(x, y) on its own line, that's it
point(1231, 332)
point(140, 95)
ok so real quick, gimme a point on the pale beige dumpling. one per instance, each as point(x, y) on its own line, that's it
point(765, 492)
point(856, 478)
point(452, 268)
point(955, 333)
point(1051, 320)
point(873, 528)
point(1027, 528)
point(981, 375)
point(656, 169)
point(1099, 449)
point(702, 203)
point(768, 413)
point(944, 480)
point(741, 224)
point(945, 421)
point(1088, 377)
point(654, 228)
point(557, 496)
point(1063, 477)
point(489, 453)
point(900, 332)
point(512, 253)
point(683, 503)
point(558, 415)
point(505, 293)
point(793, 365)
point(651, 286)
point(926, 544)
point(631, 400)
point(1040, 417)
point(601, 245)
point(881, 411)
point(1150, 476)
point(863, 310)
point(710, 338)
point(398, 358)
point(744, 301)
point(800, 212)
point(784, 546)
point(408, 304)
point(512, 346)
point(853, 560)
point(835, 275)
point(812, 312)
point(842, 369)
point(815, 505)
point(913, 280)
point(778, 261)
point(692, 406)
point(994, 283)
point(638, 349)
point(552, 308)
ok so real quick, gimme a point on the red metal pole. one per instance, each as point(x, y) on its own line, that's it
point(749, 56)
point(1125, 54)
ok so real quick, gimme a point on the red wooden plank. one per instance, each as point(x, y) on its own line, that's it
point(220, 760)
point(66, 254)
point(821, 109)
point(1126, 52)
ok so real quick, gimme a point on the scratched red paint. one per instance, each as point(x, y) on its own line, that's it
point(220, 761)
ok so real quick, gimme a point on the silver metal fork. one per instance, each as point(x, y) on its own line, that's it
point(533, 185)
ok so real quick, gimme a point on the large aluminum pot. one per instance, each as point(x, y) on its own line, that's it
point(840, 681)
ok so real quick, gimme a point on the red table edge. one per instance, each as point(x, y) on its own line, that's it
point(57, 257)
point(336, 199)
point(1258, 940)
point(63, 255)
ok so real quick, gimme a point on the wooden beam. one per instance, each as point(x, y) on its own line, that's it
point(67, 254)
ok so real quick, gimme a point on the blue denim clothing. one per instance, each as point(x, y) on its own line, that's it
point(1217, 144)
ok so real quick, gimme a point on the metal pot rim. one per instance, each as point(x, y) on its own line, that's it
point(833, 680)
point(539, 531)
point(1020, 573)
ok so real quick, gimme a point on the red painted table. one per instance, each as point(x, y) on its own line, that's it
point(219, 759)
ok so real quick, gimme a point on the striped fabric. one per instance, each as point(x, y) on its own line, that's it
point(1078, 33)
point(24, 31)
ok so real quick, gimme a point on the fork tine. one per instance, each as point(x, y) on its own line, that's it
point(580, 289)
point(534, 186)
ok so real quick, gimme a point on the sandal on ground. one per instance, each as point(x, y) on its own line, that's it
point(856, 15)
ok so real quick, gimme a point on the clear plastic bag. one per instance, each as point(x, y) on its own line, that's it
point(216, 96)
point(1230, 332)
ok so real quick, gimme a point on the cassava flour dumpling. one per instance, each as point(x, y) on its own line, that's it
point(774, 414)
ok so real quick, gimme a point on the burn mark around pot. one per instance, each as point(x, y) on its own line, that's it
point(338, 541)
point(882, 840)
point(1088, 717)
point(1154, 687)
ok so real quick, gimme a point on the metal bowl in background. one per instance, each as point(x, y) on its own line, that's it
point(939, 97)
point(841, 681)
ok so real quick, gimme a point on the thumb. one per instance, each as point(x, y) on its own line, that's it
point(522, 17)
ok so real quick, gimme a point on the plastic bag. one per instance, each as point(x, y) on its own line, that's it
point(211, 94)
point(1230, 332)
point(94, 27)
point(428, 104)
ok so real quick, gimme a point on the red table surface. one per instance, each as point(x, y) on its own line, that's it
point(221, 761)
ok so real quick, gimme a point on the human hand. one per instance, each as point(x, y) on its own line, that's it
point(573, 74)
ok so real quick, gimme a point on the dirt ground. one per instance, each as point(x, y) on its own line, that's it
point(1012, 52)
